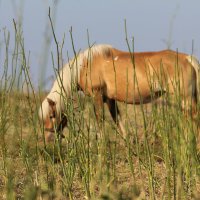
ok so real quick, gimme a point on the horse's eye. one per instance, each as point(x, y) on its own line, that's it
point(53, 115)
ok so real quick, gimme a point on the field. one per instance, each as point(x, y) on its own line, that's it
point(158, 159)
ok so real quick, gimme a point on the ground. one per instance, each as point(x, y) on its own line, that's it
point(158, 159)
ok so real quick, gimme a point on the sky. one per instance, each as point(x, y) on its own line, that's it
point(154, 25)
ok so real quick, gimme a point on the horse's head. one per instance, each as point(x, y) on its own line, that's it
point(54, 122)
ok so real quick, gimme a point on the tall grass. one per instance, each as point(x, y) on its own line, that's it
point(157, 160)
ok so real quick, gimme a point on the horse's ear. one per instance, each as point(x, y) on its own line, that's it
point(51, 102)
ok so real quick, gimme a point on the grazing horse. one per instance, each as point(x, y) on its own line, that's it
point(109, 75)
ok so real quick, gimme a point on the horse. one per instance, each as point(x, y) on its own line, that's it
point(109, 75)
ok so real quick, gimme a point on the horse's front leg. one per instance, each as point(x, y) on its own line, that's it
point(99, 100)
point(98, 107)
point(115, 114)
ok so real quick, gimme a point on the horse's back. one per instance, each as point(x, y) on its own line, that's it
point(114, 73)
point(158, 66)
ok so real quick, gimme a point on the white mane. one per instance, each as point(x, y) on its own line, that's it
point(69, 75)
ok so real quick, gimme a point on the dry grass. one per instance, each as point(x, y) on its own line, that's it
point(103, 168)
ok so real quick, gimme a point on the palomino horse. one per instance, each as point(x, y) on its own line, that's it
point(110, 75)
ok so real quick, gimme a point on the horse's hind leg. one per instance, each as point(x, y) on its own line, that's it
point(189, 106)
point(114, 111)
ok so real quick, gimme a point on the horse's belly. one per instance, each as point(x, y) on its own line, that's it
point(127, 91)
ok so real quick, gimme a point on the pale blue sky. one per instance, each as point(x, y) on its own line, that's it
point(152, 23)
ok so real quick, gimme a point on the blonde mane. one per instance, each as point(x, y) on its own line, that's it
point(69, 75)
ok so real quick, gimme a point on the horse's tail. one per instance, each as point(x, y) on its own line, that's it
point(195, 63)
